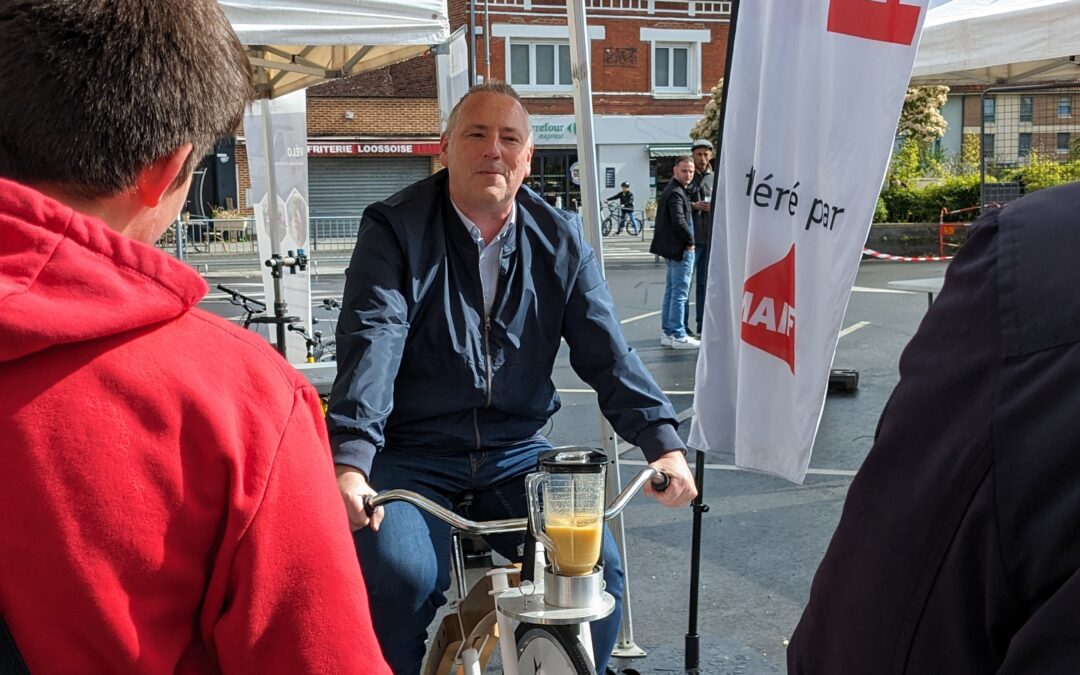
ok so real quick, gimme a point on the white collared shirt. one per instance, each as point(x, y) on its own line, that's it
point(489, 253)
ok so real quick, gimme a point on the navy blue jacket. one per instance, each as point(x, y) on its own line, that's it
point(959, 546)
point(420, 367)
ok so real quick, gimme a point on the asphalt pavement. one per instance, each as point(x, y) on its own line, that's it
point(762, 537)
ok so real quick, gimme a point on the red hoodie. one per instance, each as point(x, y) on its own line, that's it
point(167, 496)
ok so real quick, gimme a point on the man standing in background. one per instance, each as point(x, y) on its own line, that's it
point(700, 192)
point(674, 241)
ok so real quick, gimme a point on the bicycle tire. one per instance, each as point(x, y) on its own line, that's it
point(605, 226)
point(551, 649)
point(633, 227)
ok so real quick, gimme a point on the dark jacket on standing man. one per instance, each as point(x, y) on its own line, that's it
point(700, 190)
point(674, 223)
point(958, 550)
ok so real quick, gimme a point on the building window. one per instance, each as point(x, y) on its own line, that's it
point(676, 60)
point(1026, 106)
point(988, 146)
point(540, 66)
point(989, 109)
point(1023, 147)
point(1063, 143)
point(671, 68)
point(1065, 106)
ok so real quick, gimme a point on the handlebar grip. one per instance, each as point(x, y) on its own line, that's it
point(368, 508)
point(660, 481)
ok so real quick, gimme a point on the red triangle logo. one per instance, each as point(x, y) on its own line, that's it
point(768, 309)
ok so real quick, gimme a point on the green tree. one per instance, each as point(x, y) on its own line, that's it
point(709, 125)
point(920, 118)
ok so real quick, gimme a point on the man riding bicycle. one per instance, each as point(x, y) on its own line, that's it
point(626, 210)
point(460, 290)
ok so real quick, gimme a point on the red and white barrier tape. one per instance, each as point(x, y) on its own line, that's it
point(904, 258)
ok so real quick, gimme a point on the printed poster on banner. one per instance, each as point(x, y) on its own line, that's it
point(275, 133)
point(814, 97)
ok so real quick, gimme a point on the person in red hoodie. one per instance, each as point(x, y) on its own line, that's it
point(167, 493)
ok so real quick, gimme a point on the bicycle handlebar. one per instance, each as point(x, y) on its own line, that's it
point(239, 298)
point(659, 479)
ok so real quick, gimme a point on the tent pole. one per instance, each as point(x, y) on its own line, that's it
point(580, 66)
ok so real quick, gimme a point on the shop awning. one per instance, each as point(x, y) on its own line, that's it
point(668, 151)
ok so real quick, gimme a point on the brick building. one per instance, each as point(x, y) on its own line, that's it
point(368, 136)
point(653, 64)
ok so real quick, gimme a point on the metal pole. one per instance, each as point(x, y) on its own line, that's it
point(590, 216)
point(692, 658)
point(272, 217)
point(472, 42)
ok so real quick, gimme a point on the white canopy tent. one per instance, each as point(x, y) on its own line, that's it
point(999, 42)
point(294, 44)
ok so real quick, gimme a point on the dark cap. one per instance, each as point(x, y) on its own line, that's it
point(625, 184)
point(701, 143)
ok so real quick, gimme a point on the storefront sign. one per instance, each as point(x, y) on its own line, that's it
point(371, 148)
point(554, 130)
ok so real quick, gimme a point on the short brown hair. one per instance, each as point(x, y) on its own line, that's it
point(487, 87)
point(94, 91)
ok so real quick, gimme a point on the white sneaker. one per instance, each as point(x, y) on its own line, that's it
point(665, 340)
point(685, 342)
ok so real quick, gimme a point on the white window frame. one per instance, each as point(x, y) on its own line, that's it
point(517, 34)
point(1068, 143)
point(670, 38)
point(1062, 100)
point(532, 86)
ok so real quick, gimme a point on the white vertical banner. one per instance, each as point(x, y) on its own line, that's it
point(814, 96)
point(452, 73)
point(275, 132)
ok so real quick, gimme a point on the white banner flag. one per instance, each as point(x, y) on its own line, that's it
point(814, 97)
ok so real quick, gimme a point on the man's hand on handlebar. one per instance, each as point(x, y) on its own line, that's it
point(354, 487)
point(682, 490)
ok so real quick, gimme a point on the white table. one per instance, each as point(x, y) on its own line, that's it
point(928, 286)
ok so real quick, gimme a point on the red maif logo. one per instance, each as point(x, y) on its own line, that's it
point(768, 310)
point(881, 20)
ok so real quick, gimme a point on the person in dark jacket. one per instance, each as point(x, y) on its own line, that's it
point(626, 209)
point(958, 550)
point(460, 290)
point(673, 240)
point(700, 192)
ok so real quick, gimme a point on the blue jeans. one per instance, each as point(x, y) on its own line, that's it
point(676, 292)
point(626, 220)
point(406, 564)
point(701, 278)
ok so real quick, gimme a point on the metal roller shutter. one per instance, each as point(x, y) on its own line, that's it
point(344, 186)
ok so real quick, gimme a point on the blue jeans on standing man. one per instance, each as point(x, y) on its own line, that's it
point(406, 564)
point(676, 294)
point(627, 219)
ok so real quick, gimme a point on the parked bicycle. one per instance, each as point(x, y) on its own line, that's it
point(538, 615)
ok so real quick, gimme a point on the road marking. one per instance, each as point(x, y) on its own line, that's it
point(865, 289)
point(639, 317)
point(854, 327)
point(673, 392)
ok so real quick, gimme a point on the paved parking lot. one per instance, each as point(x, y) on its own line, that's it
point(763, 537)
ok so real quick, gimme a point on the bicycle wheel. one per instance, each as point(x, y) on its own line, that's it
point(605, 226)
point(551, 649)
point(633, 227)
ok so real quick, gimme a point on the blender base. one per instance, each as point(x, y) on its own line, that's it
point(533, 609)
